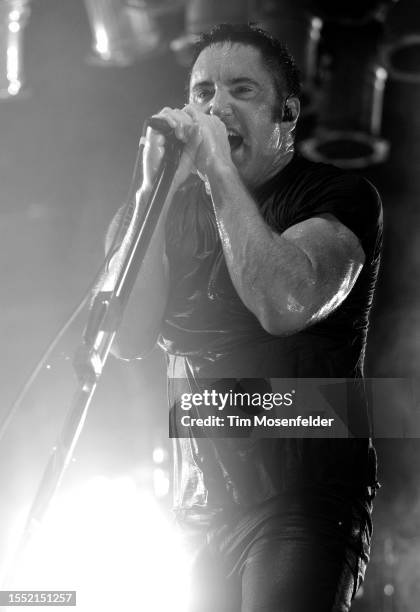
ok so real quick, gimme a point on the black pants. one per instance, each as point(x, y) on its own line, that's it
point(310, 555)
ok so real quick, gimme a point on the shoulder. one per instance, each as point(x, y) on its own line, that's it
point(319, 180)
point(323, 189)
point(328, 181)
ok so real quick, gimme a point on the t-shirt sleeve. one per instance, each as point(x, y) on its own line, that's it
point(353, 200)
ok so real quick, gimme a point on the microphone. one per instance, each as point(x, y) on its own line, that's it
point(160, 125)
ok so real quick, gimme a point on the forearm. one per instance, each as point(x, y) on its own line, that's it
point(141, 322)
point(273, 277)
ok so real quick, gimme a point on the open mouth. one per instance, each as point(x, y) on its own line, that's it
point(235, 140)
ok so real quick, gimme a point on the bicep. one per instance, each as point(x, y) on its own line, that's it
point(336, 258)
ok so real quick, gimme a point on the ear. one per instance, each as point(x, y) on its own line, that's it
point(291, 110)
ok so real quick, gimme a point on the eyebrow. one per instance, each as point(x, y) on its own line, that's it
point(236, 81)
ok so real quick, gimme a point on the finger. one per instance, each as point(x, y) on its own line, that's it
point(170, 116)
point(198, 116)
point(185, 127)
point(154, 136)
point(179, 121)
point(192, 112)
point(166, 115)
point(202, 119)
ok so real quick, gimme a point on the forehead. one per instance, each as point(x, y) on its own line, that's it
point(224, 62)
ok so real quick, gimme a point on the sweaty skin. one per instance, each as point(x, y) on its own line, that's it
point(229, 82)
point(234, 142)
point(288, 281)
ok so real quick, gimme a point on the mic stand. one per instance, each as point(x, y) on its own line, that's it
point(104, 318)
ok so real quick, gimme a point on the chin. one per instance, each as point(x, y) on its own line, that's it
point(239, 160)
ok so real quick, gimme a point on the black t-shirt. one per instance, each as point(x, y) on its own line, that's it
point(208, 333)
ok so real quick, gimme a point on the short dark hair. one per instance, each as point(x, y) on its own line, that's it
point(275, 55)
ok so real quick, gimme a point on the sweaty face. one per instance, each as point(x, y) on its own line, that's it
point(231, 82)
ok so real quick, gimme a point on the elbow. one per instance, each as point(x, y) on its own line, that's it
point(285, 321)
point(283, 325)
point(286, 308)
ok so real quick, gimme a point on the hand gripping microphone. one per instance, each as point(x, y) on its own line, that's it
point(173, 150)
point(159, 125)
point(173, 145)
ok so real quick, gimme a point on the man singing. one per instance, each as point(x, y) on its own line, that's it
point(263, 265)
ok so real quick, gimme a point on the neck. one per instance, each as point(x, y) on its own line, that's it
point(285, 159)
point(280, 163)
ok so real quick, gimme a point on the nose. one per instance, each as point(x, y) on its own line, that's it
point(220, 104)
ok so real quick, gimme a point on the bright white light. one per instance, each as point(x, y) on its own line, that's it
point(14, 26)
point(12, 63)
point(114, 545)
point(381, 74)
point(159, 454)
point(14, 88)
point(316, 26)
point(12, 542)
point(102, 40)
point(14, 15)
point(160, 482)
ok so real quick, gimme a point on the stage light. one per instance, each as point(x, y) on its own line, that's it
point(161, 482)
point(159, 455)
point(125, 31)
point(114, 544)
point(14, 15)
point(120, 33)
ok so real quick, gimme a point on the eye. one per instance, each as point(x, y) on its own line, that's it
point(243, 91)
point(201, 95)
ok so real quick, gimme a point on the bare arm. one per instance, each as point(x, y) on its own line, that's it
point(142, 319)
point(140, 326)
point(288, 281)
